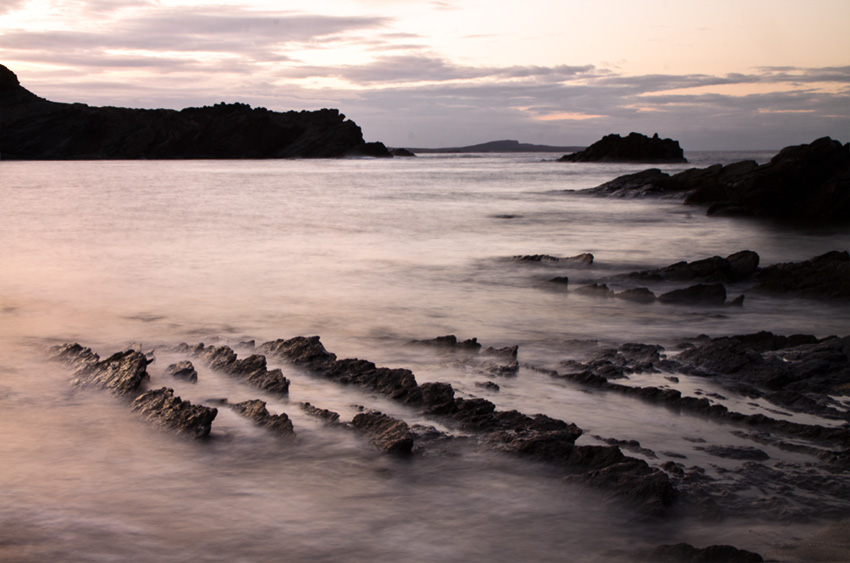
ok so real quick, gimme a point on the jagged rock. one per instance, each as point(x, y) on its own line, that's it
point(825, 276)
point(168, 411)
point(390, 435)
point(733, 452)
point(632, 480)
point(641, 184)
point(328, 416)
point(122, 373)
point(536, 258)
point(489, 385)
point(686, 553)
point(699, 294)
point(803, 182)
point(256, 411)
point(735, 267)
point(251, 370)
point(450, 343)
point(634, 148)
point(507, 352)
point(595, 290)
point(306, 352)
point(34, 128)
point(638, 295)
point(183, 370)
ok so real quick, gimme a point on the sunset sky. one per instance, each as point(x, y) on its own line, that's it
point(742, 74)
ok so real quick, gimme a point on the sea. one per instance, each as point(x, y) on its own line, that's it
point(369, 254)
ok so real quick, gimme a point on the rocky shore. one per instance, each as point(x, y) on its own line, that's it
point(801, 183)
point(32, 128)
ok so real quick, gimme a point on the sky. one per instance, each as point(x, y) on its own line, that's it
point(712, 74)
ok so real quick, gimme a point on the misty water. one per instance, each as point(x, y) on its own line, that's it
point(369, 254)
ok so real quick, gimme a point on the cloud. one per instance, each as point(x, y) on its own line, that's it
point(11, 5)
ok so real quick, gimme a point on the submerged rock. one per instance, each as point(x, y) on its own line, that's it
point(735, 267)
point(700, 294)
point(251, 370)
point(328, 416)
point(170, 412)
point(686, 553)
point(183, 370)
point(633, 148)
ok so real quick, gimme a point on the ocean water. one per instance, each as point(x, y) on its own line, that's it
point(368, 254)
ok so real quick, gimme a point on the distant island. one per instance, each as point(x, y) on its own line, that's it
point(497, 146)
point(633, 148)
point(32, 128)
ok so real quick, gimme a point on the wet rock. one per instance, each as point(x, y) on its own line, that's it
point(307, 352)
point(163, 408)
point(636, 482)
point(584, 259)
point(450, 343)
point(390, 435)
point(801, 183)
point(183, 370)
point(734, 452)
point(686, 553)
point(507, 352)
point(735, 267)
point(699, 294)
point(489, 385)
point(328, 416)
point(561, 281)
point(642, 184)
point(251, 370)
point(256, 411)
point(399, 384)
point(824, 276)
point(122, 373)
point(595, 290)
point(538, 258)
point(637, 295)
point(633, 148)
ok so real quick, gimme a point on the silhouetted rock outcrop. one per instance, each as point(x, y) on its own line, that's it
point(827, 275)
point(802, 182)
point(32, 128)
point(634, 148)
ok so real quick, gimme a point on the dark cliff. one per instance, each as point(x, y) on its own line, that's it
point(32, 128)
point(634, 148)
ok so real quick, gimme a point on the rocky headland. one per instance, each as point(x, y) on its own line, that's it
point(32, 128)
point(633, 148)
point(801, 183)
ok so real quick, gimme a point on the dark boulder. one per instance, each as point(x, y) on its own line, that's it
point(163, 408)
point(637, 294)
point(450, 343)
point(824, 276)
point(634, 148)
point(735, 267)
point(640, 184)
point(686, 553)
point(700, 294)
point(401, 152)
point(390, 435)
point(183, 370)
point(595, 290)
